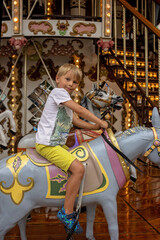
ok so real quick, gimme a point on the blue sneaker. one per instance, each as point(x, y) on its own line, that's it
point(68, 220)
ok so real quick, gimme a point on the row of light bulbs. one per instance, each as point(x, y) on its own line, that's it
point(77, 63)
point(128, 54)
point(129, 63)
point(150, 85)
point(16, 16)
point(13, 80)
point(139, 73)
point(107, 19)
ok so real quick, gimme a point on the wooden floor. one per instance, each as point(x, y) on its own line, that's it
point(138, 214)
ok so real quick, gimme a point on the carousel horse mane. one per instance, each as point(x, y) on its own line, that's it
point(132, 131)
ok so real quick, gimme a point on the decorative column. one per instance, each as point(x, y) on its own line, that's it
point(17, 17)
point(78, 7)
point(78, 93)
point(107, 19)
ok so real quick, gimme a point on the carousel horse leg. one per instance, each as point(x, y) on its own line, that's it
point(2, 237)
point(91, 208)
point(110, 211)
point(22, 227)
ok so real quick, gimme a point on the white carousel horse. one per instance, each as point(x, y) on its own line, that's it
point(94, 100)
point(25, 186)
point(4, 116)
point(97, 98)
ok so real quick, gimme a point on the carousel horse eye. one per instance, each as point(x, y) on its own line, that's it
point(100, 95)
point(96, 93)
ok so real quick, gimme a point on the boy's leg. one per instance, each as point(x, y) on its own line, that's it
point(73, 185)
point(66, 215)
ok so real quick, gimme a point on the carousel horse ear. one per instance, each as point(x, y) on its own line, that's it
point(94, 87)
point(83, 102)
point(101, 85)
point(155, 118)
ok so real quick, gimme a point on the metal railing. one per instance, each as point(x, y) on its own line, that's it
point(134, 30)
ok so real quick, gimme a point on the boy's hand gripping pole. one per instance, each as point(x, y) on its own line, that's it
point(78, 207)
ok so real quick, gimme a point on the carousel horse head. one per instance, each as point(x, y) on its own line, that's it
point(98, 98)
point(4, 117)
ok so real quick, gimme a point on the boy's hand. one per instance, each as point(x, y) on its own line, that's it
point(104, 124)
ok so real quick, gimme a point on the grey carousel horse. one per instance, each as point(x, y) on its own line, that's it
point(6, 115)
point(23, 185)
point(94, 100)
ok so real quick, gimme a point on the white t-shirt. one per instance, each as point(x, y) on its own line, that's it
point(56, 119)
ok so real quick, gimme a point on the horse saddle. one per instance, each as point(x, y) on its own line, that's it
point(93, 174)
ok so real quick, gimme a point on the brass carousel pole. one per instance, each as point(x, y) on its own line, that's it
point(159, 73)
point(25, 91)
point(98, 59)
point(135, 61)
point(43, 63)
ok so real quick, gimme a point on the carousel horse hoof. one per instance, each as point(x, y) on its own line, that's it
point(133, 179)
point(12, 132)
point(3, 147)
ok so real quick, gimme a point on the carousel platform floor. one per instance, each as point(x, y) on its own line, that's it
point(138, 214)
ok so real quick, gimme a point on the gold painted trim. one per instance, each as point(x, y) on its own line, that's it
point(16, 189)
point(4, 28)
point(122, 162)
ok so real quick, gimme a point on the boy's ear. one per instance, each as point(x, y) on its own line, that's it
point(56, 78)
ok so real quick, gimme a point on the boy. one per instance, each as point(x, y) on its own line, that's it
point(53, 128)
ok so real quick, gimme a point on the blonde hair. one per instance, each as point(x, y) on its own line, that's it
point(70, 67)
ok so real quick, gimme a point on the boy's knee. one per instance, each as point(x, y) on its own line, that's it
point(82, 170)
point(77, 168)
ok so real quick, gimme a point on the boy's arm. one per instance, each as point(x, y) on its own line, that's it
point(84, 113)
point(82, 124)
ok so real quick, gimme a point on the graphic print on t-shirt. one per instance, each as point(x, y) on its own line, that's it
point(62, 128)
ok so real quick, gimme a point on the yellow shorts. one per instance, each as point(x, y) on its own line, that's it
point(57, 155)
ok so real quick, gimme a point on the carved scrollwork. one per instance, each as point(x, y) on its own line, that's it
point(36, 72)
point(83, 28)
point(43, 27)
point(4, 28)
point(3, 74)
point(60, 50)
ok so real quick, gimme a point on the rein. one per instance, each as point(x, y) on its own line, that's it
point(120, 153)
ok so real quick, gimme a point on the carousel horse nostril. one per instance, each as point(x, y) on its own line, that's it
point(120, 99)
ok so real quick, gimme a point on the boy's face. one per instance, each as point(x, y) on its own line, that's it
point(68, 81)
